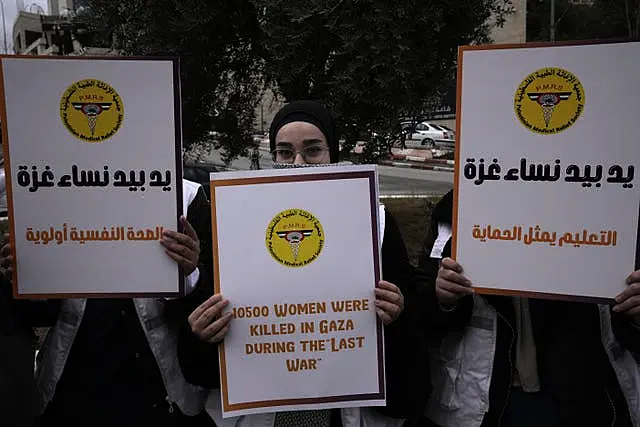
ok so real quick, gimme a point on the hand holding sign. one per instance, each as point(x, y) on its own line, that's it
point(451, 285)
point(389, 302)
point(628, 301)
point(183, 248)
point(207, 321)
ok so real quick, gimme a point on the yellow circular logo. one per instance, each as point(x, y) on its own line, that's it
point(549, 101)
point(91, 110)
point(295, 238)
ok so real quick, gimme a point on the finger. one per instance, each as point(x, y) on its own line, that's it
point(213, 312)
point(170, 235)
point(180, 240)
point(386, 319)
point(628, 304)
point(178, 248)
point(393, 310)
point(210, 302)
point(388, 296)
point(383, 284)
point(633, 277)
point(450, 264)
point(188, 229)
point(208, 318)
point(220, 335)
point(633, 289)
point(217, 326)
point(183, 262)
point(452, 276)
point(454, 288)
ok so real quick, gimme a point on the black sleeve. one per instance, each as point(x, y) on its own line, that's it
point(198, 359)
point(627, 333)
point(405, 356)
point(23, 313)
point(39, 313)
point(18, 395)
point(437, 321)
point(18, 398)
point(199, 216)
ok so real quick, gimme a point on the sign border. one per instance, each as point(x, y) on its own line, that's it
point(454, 241)
point(175, 61)
point(371, 176)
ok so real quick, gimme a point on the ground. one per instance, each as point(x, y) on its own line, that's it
point(412, 216)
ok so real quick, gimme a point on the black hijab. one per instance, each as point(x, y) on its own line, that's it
point(309, 112)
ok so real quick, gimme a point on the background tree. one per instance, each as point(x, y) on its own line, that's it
point(217, 42)
point(370, 61)
point(621, 16)
point(601, 19)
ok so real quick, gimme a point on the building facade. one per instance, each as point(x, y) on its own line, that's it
point(38, 33)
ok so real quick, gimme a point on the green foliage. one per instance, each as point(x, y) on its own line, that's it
point(603, 19)
point(370, 61)
point(221, 74)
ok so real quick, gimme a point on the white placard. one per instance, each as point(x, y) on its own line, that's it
point(546, 180)
point(297, 255)
point(93, 167)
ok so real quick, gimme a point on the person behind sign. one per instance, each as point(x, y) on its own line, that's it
point(18, 397)
point(528, 362)
point(113, 362)
point(303, 134)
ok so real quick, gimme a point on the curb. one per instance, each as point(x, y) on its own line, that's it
point(439, 165)
point(417, 165)
point(404, 157)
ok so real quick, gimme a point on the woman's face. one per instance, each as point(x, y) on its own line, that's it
point(301, 143)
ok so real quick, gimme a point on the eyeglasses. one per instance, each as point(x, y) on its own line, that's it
point(310, 154)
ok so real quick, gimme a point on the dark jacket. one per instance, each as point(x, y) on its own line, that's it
point(18, 398)
point(407, 373)
point(572, 362)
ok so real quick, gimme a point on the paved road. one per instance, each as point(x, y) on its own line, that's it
point(393, 180)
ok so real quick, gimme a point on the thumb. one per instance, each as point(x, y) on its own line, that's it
point(188, 229)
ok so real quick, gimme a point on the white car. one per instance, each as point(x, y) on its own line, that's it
point(429, 134)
